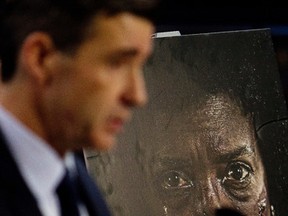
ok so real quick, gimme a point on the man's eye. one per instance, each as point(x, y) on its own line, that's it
point(238, 171)
point(175, 180)
point(119, 61)
point(115, 62)
point(173, 187)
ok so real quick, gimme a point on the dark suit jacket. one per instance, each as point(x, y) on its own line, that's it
point(17, 200)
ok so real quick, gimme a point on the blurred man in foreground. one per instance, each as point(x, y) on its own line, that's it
point(71, 72)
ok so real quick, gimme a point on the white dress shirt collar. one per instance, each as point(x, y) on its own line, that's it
point(41, 167)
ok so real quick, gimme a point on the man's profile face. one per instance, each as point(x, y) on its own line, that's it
point(208, 159)
point(94, 90)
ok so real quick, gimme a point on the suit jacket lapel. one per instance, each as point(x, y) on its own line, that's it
point(17, 200)
point(92, 196)
point(15, 197)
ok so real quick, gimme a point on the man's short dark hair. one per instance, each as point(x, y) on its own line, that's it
point(64, 20)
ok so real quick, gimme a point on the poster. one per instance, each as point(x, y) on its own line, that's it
point(214, 134)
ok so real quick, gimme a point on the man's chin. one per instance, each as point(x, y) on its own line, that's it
point(104, 142)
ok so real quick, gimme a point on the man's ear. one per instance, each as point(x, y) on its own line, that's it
point(35, 53)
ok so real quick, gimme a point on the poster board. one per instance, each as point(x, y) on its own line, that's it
point(208, 93)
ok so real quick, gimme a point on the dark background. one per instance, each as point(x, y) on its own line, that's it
point(194, 18)
point(189, 18)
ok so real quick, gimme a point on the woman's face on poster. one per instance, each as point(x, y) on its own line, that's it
point(208, 159)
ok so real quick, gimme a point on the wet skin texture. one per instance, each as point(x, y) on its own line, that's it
point(208, 160)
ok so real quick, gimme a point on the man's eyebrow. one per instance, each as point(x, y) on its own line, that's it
point(125, 53)
point(235, 153)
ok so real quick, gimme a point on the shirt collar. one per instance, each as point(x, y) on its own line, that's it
point(40, 165)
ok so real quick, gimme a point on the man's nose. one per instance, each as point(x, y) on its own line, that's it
point(135, 92)
point(211, 197)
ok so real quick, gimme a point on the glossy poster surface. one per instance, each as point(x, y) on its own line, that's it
point(214, 134)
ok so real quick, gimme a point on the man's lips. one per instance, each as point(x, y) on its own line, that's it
point(116, 124)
